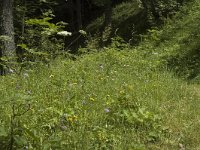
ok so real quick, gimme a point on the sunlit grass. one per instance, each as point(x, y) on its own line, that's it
point(111, 100)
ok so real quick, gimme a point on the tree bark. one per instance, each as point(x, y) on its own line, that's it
point(108, 14)
point(154, 12)
point(107, 23)
point(78, 14)
point(7, 48)
point(150, 10)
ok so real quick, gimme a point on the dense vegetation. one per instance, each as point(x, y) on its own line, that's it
point(139, 91)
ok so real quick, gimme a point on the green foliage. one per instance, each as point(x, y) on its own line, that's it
point(40, 41)
point(178, 42)
point(91, 44)
point(100, 2)
point(118, 43)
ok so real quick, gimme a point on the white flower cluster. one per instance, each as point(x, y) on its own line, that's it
point(64, 33)
point(82, 32)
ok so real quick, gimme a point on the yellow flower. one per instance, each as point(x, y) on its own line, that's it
point(51, 76)
point(92, 99)
point(72, 118)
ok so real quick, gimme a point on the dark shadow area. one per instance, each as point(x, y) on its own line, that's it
point(186, 64)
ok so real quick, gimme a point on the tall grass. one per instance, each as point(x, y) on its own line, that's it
point(109, 100)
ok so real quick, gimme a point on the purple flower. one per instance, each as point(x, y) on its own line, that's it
point(63, 128)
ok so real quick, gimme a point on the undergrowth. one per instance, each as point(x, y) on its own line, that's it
point(177, 43)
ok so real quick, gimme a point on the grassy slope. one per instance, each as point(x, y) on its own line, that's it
point(178, 42)
point(111, 99)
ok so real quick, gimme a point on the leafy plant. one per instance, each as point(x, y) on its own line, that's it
point(40, 41)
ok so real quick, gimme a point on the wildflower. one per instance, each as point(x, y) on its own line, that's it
point(51, 76)
point(107, 103)
point(26, 147)
point(11, 70)
point(101, 66)
point(107, 110)
point(64, 33)
point(82, 32)
point(72, 119)
point(154, 53)
point(26, 75)
point(62, 22)
point(63, 128)
point(92, 99)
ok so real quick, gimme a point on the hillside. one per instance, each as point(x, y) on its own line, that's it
point(177, 42)
point(123, 97)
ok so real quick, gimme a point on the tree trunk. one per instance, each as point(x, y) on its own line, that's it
point(154, 12)
point(150, 10)
point(107, 24)
point(108, 14)
point(144, 4)
point(78, 14)
point(7, 48)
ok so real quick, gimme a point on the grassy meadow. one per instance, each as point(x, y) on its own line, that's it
point(132, 98)
point(109, 100)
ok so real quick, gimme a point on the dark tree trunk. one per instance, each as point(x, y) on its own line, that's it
point(144, 4)
point(106, 24)
point(7, 48)
point(150, 10)
point(155, 13)
point(108, 14)
point(78, 14)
